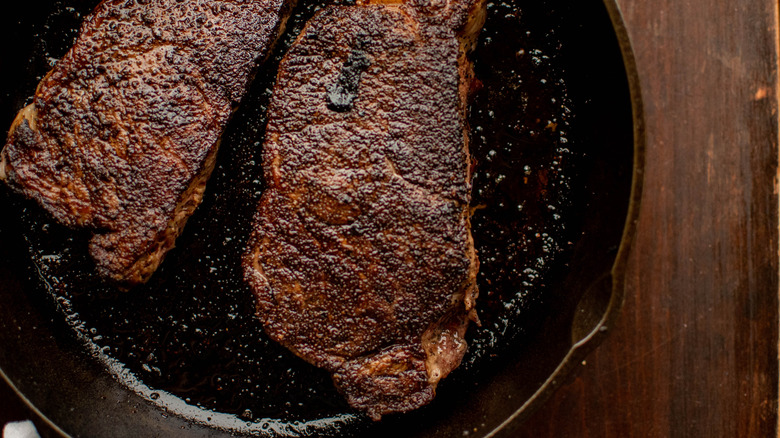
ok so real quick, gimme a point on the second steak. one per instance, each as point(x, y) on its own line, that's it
point(122, 134)
point(362, 260)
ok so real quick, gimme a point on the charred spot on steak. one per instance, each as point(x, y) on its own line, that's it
point(345, 89)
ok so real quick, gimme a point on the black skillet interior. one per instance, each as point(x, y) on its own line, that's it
point(553, 145)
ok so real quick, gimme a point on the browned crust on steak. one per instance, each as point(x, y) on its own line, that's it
point(361, 259)
point(122, 134)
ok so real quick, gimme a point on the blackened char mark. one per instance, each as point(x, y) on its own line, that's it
point(344, 91)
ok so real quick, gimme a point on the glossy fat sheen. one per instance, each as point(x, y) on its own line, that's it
point(122, 133)
point(362, 259)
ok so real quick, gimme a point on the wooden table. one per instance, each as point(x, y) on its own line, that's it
point(695, 350)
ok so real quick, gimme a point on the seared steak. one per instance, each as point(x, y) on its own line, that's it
point(361, 259)
point(122, 134)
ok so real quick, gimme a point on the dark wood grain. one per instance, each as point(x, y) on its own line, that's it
point(695, 351)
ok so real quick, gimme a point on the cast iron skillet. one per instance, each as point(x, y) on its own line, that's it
point(558, 141)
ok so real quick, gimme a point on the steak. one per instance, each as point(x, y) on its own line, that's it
point(122, 134)
point(361, 257)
